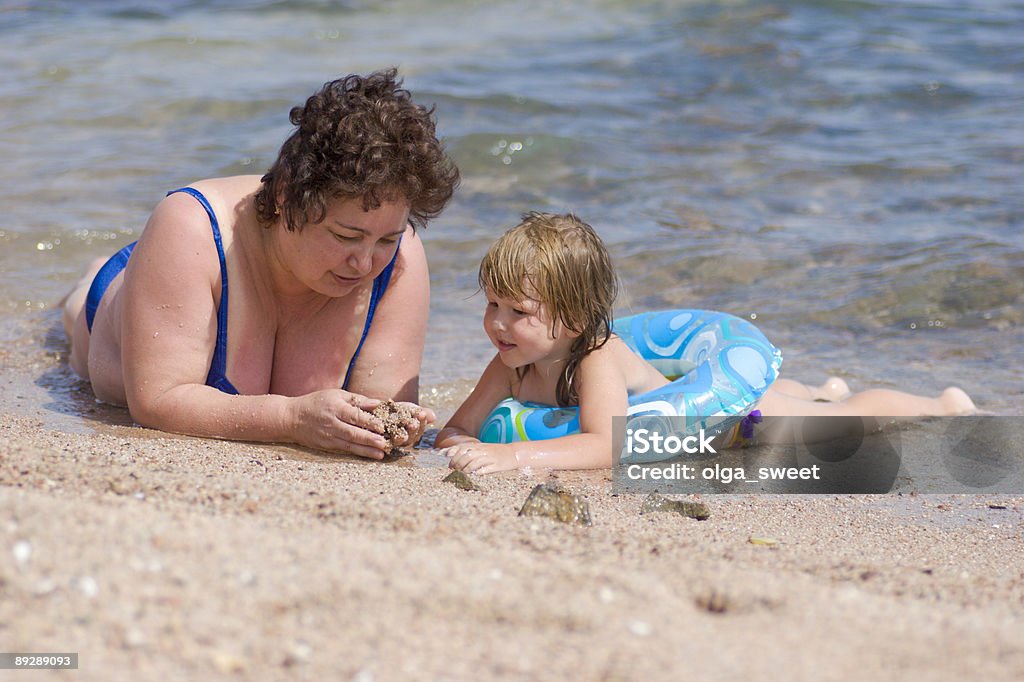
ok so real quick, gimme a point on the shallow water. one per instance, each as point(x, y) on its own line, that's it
point(848, 173)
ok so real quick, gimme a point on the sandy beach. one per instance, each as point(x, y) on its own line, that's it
point(159, 557)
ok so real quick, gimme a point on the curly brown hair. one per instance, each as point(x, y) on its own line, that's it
point(358, 137)
point(560, 261)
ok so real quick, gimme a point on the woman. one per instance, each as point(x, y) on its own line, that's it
point(318, 263)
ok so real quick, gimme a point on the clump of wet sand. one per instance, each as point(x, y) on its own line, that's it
point(394, 416)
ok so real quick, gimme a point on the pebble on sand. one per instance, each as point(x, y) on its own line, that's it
point(693, 510)
point(461, 481)
point(554, 503)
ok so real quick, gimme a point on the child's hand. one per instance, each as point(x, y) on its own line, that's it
point(482, 458)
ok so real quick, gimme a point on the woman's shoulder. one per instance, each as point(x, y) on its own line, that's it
point(186, 214)
point(180, 228)
point(411, 252)
point(409, 280)
point(226, 186)
point(227, 196)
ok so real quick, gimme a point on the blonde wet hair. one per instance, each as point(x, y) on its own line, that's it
point(560, 261)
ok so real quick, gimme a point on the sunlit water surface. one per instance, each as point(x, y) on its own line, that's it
point(847, 174)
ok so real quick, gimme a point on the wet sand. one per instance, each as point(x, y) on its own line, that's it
point(161, 557)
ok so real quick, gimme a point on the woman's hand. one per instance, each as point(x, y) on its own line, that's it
point(482, 458)
point(338, 421)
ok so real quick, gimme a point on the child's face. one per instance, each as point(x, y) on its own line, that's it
point(523, 333)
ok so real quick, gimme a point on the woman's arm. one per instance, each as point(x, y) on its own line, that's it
point(168, 332)
point(602, 396)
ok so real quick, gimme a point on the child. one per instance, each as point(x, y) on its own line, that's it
point(550, 287)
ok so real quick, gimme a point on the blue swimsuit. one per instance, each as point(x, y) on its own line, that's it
point(218, 365)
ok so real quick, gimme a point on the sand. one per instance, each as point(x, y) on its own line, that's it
point(160, 557)
point(163, 557)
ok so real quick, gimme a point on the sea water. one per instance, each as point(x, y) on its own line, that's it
point(847, 174)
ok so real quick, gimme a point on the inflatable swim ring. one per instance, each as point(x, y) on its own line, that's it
point(719, 366)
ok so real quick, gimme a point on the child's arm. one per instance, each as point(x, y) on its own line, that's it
point(492, 388)
point(602, 396)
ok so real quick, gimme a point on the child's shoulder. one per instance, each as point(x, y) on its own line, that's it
point(614, 351)
point(639, 375)
point(617, 346)
point(497, 372)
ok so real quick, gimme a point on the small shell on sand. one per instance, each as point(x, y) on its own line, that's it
point(763, 541)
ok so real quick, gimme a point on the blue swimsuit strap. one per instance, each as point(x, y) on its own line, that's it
point(102, 279)
point(217, 377)
point(380, 285)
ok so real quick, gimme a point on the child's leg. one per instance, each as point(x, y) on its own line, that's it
point(867, 404)
point(833, 390)
point(879, 402)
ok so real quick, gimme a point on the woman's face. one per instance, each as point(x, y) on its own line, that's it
point(348, 248)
